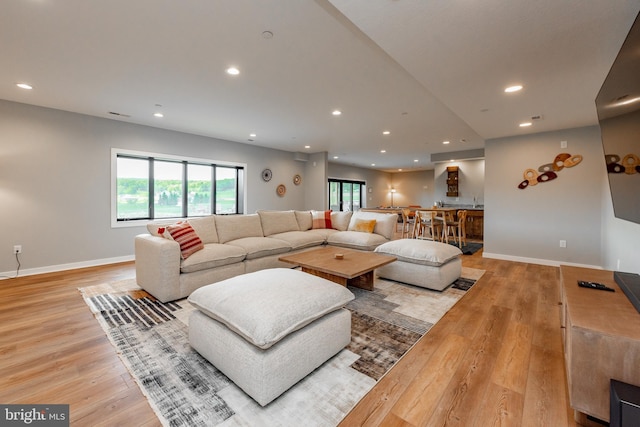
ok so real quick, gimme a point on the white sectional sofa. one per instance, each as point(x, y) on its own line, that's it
point(236, 244)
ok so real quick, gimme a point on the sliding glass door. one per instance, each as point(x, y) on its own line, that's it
point(345, 195)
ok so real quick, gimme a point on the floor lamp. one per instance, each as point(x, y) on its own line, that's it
point(393, 190)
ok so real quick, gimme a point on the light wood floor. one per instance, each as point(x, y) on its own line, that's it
point(494, 359)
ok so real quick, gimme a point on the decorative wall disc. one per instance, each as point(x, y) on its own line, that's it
point(281, 190)
point(266, 175)
point(297, 179)
point(550, 170)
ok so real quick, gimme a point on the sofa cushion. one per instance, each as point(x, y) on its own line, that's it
point(322, 233)
point(301, 239)
point(364, 225)
point(385, 223)
point(417, 251)
point(274, 222)
point(206, 228)
point(356, 240)
point(321, 219)
point(266, 306)
point(232, 227)
point(305, 221)
point(340, 220)
point(159, 228)
point(186, 237)
point(211, 256)
point(258, 247)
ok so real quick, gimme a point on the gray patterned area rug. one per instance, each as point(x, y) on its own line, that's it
point(186, 390)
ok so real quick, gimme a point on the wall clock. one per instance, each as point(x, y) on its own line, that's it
point(281, 190)
point(266, 175)
point(297, 179)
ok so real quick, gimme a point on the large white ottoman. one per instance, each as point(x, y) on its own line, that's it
point(269, 329)
point(424, 263)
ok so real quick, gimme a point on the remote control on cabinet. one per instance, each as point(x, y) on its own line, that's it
point(595, 285)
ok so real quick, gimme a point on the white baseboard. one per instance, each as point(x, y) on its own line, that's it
point(538, 261)
point(62, 267)
point(105, 261)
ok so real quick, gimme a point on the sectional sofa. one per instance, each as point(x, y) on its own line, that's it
point(173, 260)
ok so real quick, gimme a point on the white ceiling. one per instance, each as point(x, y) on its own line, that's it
point(427, 71)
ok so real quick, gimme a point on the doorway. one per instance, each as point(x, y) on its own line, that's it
point(345, 195)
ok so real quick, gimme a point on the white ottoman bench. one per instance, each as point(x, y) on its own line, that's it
point(269, 329)
point(423, 263)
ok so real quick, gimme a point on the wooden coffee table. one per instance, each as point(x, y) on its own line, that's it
point(355, 269)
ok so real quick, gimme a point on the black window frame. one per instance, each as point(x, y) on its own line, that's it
point(341, 182)
point(240, 171)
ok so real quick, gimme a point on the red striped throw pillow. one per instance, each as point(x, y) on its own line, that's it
point(321, 219)
point(186, 237)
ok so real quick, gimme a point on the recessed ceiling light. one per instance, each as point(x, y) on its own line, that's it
point(267, 35)
point(336, 157)
point(373, 164)
point(383, 151)
point(415, 160)
point(445, 142)
point(400, 170)
point(24, 86)
point(336, 112)
point(159, 115)
point(252, 135)
point(514, 88)
point(233, 71)
point(525, 124)
point(386, 132)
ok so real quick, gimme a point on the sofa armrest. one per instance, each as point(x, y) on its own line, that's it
point(158, 266)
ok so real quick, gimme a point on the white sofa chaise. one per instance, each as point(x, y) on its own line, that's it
point(231, 245)
point(424, 263)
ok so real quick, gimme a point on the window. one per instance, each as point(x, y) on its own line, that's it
point(345, 195)
point(150, 186)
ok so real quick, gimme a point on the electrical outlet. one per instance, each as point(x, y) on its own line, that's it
point(563, 243)
point(17, 249)
point(563, 144)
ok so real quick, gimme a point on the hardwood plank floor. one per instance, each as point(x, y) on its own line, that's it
point(494, 359)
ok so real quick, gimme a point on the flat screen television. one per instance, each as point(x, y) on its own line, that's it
point(624, 407)
point(618, 106)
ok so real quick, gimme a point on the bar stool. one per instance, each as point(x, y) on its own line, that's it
point(427, 222)
point(457, 227)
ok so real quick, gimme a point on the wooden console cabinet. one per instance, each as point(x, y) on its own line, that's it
point(475, 224)
point(601, 340)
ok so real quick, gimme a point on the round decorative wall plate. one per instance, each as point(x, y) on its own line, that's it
point(281, 190)
point(266, 175)
point(297, 179)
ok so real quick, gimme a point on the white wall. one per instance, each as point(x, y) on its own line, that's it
point(413, 188)
point(470, 182)
point(55, 191)
point(316, 185)
point(55, 183)
point(378, 182)
point(528, 224)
